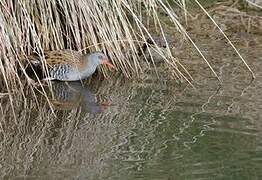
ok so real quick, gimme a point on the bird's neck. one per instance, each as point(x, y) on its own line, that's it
point(89, 69)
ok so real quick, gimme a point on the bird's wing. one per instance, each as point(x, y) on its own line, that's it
point(56, 57)
point(62, 57)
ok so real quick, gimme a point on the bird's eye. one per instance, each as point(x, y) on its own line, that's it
point(100, 57)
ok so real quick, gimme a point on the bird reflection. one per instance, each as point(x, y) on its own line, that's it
point(70, 95)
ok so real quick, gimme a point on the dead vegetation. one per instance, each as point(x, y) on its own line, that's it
point(119, 28)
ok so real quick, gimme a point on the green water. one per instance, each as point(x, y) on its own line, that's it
point(152, 130)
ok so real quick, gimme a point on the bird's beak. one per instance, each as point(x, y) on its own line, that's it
point(106, 62)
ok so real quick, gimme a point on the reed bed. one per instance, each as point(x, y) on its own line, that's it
point(35, 26)
point(119, 28)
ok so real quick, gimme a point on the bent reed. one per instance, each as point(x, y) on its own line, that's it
point(119, 28)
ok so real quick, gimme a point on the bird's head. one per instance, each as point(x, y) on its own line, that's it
point(98, 58)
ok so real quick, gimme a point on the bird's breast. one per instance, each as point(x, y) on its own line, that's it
point(67, 72)
point(62, 72)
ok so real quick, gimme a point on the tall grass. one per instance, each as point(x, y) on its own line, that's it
point(36, 26)
point(116, 27)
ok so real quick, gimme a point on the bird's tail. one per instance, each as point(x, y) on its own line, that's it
point(32, 66)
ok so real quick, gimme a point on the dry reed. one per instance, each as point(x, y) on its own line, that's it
point(116, 27)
